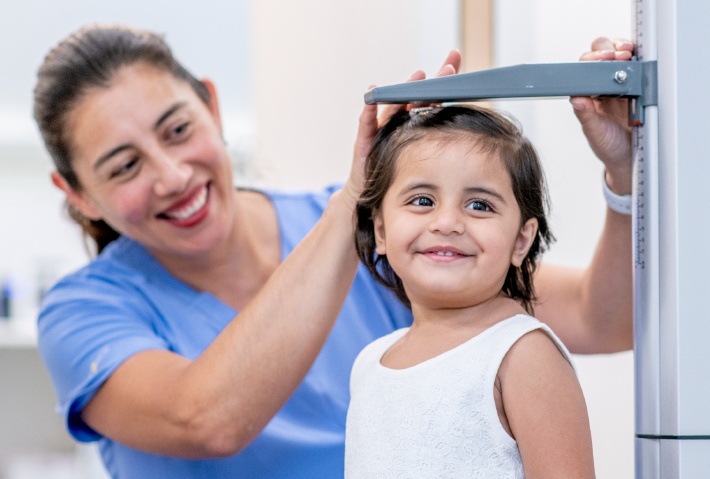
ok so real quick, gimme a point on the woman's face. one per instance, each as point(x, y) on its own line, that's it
point(450, 224)
point(151, 162)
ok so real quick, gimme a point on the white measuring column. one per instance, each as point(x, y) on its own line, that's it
point(671, 238)
point(646, 262)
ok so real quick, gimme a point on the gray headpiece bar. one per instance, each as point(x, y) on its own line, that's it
point(632, 79)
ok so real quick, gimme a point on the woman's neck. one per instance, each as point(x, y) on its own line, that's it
point(236, 269)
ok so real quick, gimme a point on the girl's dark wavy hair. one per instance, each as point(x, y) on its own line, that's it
point(492, 133)
point(90, 58)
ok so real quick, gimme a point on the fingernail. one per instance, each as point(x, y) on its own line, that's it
point(577, 104)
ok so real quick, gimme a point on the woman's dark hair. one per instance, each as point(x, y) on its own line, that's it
point(87, 59)
point(489, 131)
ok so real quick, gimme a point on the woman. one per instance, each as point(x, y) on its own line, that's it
point(145, 346)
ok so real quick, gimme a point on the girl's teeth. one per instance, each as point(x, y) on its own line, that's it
point(191, 209)
point(441, 253)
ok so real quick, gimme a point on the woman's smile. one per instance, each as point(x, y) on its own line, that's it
point(163, 176)
point(189, 211)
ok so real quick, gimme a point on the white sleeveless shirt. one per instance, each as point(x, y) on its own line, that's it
point(437, 419)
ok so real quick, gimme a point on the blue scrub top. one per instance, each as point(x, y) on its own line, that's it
point(125, 302)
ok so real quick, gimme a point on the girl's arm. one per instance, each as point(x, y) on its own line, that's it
point(591, 310)
point(545, 410)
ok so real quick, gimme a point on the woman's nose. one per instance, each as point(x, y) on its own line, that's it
point(172, 174)
point(447, 220)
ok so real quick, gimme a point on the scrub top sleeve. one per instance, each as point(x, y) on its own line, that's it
point(87, 328)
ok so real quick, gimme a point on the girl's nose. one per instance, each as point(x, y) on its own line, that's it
point(172, 175)
point(447, 221)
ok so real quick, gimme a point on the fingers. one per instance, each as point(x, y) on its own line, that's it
point(602, 43)
point(605, 49)
point(416, 76)
point(367, 129)
point(622, 44)
point(592, 125)
point(598, 55)
point(583, 105)
point(453, 60)
point(446, 70)
point(623, 56)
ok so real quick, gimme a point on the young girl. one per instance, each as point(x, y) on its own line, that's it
point(452, 220)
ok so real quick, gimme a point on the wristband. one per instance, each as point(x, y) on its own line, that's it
point(619, 203)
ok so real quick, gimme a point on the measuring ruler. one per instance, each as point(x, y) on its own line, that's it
point(645, 220)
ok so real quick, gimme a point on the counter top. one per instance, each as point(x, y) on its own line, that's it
point(18, 333)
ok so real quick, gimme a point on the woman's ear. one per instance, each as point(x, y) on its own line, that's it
point(76, 198)
point(524, 241)
point(213, 105)
point(379, 234)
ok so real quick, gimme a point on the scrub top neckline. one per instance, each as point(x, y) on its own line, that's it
point(152, 263)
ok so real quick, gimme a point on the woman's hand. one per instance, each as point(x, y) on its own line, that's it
point(605, 120)
point(370, 122)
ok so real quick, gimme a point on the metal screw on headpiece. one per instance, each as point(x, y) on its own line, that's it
point(620, 76)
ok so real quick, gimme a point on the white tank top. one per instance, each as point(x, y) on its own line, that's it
point(437, 419)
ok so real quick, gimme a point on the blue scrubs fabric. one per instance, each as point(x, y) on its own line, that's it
point(125, 302)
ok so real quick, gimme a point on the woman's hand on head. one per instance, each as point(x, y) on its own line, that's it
point(370, 121)
point(605, 120)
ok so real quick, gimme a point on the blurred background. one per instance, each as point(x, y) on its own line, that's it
point(290, 78)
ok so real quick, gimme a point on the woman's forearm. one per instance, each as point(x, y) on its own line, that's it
point(592, 310)
point(217, 404)
point(274, 341)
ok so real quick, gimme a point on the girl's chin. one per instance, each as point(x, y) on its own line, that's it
point(446, 298)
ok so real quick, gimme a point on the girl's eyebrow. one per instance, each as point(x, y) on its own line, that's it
point(417, 186)
point(485, 191)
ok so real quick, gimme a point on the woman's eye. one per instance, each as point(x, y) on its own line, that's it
point(423, 201)
point(478, 206)
point(124, 168)
point(180, 129)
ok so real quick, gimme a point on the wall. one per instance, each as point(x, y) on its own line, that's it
point(313, 61)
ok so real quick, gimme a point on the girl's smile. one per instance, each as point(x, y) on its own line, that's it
point(444, 254)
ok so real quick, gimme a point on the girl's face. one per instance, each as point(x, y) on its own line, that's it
point(450, 224)
point(151, 162)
